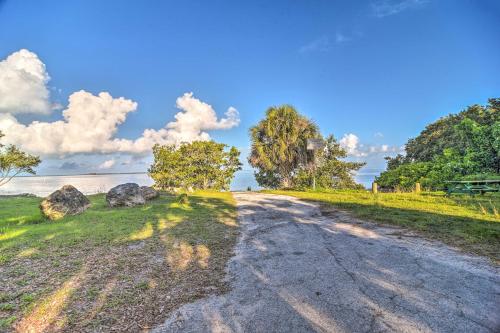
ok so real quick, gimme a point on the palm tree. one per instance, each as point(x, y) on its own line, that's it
point(279, 145)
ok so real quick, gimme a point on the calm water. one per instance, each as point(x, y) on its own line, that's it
point(87, 184)
point(90, 184)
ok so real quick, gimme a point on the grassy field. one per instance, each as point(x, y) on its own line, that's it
point(111, 269)
point(470, 223)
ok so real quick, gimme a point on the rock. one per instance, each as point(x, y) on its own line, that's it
point(149, 193)
point(128, 194)
point(65, 201)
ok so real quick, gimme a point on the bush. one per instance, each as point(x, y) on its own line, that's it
point(405, 176)
point(195, 165)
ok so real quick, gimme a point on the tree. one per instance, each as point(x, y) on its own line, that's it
point(443, 133)
point(394, 162)
point(480, 144)
point(197, 165)
point(329, 170)
point(13, 162)
point(279, 146)
point(279, 152)
point(405, 176)
point(455, 147)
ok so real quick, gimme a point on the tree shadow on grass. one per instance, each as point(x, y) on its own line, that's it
point(122, 275)
point(172, 254)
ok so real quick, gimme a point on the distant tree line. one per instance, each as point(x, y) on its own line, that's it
point(459, 146)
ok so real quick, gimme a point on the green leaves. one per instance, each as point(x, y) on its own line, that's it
point(197, 165)
point(279, 145)
point(13, 161)
point(451, 148)
point(279, 152)
point(329, 170)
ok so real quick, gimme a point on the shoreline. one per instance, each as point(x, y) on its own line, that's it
point(85, 174)
point(22, 195)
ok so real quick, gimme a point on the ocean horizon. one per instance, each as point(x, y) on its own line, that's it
point(43, 185)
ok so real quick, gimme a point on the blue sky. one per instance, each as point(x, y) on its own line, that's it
point(379, 70)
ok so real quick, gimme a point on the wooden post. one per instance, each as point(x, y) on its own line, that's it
point(314, 171)
point(374, 188)
point(417, 188)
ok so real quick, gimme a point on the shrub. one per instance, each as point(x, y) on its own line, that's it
point(195, 165)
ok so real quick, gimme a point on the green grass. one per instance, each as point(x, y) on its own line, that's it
point(470, 223)
point(108, 267)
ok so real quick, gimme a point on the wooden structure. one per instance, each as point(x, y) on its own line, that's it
point(472, 186)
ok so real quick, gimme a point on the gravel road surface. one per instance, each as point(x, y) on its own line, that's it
point(296, 270)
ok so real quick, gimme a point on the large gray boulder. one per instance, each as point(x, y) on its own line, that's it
point(65, 201)
point(149, 193)
point(128, 195)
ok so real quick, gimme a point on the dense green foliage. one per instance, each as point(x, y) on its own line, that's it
point(195, 165)
point(454, 147)
point(279, 146)
point(471, 223)
point(14, 161)
point(279, 152)
point(329, 170)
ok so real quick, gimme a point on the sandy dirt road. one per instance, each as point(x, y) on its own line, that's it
point(296, 270)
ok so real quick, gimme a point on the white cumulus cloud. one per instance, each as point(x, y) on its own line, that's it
point(351, 143)
point(90, 124)
point(190, 124)
point(23, 84)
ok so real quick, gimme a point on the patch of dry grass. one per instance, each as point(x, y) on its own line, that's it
point(112, 269)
